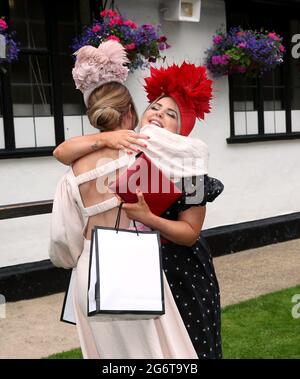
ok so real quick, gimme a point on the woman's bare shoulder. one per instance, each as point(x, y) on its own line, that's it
point(93, 160)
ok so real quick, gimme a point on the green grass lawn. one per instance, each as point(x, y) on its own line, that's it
point(71, 354)
point(257, 328)
point(262, 327)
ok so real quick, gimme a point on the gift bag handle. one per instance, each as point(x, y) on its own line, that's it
point(117, 224)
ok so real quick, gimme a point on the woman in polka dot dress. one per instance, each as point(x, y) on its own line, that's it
point(187, 259)
point(179, 95)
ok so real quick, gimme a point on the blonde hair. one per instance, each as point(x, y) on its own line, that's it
point(108, 104)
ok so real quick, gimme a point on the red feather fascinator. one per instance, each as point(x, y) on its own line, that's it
point(187, 85)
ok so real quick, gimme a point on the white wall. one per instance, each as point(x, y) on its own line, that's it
point(261, 179)
point(26, 239)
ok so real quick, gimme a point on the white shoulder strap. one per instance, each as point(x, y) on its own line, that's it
point(104, 206)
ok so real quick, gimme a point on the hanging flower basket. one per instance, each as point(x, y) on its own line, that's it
point(143, 43)
point(9, 50)
point(245, 52)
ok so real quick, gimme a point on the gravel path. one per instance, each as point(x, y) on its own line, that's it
point(254, 272)
point(32, 328)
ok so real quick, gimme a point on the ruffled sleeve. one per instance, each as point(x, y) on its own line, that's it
point(198, 193)
point(66, 238)
point(212, 189)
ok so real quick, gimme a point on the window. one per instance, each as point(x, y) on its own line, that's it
point(41, 107)
point(266, 108)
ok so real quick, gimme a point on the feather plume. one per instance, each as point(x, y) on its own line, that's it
point(96, 66)
point(187, 84)
point(113, 51)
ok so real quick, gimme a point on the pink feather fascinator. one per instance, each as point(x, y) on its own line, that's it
point(96, 66)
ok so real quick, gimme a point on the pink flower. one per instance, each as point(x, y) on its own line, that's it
point(217, 39)
point(112, 13)
point(241, 69)
point(109, 13)
point(215, 59)
point(274, 36)
point(130, 46)
point(3, 24)
point(281, 48)
point(115, 21)
point(103, 13)
point(113, 38)
point(162, 39)
point(220, 59)
point(130, 23)
point(96, 28)
point(242, 44)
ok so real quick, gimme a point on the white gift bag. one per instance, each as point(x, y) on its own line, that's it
point(125, 274)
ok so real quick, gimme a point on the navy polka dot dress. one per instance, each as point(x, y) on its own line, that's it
point(193, 282)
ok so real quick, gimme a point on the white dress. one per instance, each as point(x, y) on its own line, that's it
point(165, 337)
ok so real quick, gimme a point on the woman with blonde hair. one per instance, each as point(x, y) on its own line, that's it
point(191, 326)
point(80, 203)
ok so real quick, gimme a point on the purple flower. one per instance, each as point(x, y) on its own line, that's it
point(217, 39)
point(147, 26)
point(261, 51)
point(220, 59)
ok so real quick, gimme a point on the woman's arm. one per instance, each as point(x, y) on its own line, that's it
point(76, 147)
point(185, 231)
